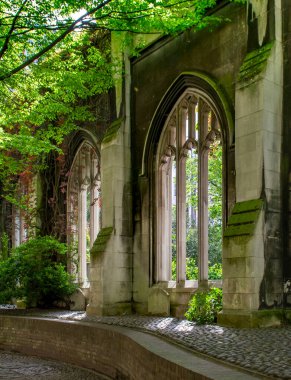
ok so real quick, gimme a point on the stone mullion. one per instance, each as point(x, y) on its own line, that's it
point(82, 222)
point(203, 197)
point(163, 225)
point(168, 225)
point(16, 227)
point(94, 204)
point(22, 228)
point(170, 186)
point(181, 195)
point(159, 200)
point(192, 119)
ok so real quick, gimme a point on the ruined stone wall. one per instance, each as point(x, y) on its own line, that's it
point(216, 54)
point(286, 159)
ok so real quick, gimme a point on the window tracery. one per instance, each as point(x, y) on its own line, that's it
point(24, 210)
point(188, 152)
point(84, 209)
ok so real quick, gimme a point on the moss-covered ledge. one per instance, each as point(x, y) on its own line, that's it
point(254, 63)
point(112, 131)
point(243, 219)
point(101, 241)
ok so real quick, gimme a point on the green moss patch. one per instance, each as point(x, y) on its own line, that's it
point(112, 131)
point(101, 241)
point(243, 218)
point(254, 62)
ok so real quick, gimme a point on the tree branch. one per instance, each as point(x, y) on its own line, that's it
point(53, 43)
point(6, 42)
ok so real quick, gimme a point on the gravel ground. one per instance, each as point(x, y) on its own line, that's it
point(265, 350)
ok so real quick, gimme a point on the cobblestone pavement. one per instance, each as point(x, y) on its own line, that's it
point(266, 351)
point(20, 367)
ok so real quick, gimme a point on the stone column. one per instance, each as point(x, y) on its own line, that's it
point(111, 261)
point(181, 196)
point(252, 266)
point(203, 197)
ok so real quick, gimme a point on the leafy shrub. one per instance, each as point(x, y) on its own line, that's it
point(204, 306)
point(36, 271)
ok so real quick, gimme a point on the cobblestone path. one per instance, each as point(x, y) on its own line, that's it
point(20, 367)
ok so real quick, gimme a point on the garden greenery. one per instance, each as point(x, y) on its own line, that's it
point(214, 270)
point(35, 272)
point(204, 306)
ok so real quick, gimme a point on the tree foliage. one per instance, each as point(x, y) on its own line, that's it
point(29, 29)
point(50, 99)
point(54, 58)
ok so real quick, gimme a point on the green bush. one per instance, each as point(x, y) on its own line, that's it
point(36, 272)
point(204, 306)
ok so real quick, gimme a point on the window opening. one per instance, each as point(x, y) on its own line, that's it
point(84, 210)
point(189, 193)
point(24, 215)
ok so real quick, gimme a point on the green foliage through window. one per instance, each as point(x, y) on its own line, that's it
point(214, 271)
point(204, 306)
point(214, 215)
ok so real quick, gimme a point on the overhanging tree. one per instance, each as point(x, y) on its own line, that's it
point(44, 73)
point(31, 28)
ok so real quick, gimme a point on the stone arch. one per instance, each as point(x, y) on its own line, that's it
point(187, 85)
point(201, 83)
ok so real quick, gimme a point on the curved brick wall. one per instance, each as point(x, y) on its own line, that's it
point(109, 350)
point(118, 352)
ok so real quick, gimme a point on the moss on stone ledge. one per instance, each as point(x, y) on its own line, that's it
point(101, 241)
point(112, 131)
point(243, 218)
point(254, 63)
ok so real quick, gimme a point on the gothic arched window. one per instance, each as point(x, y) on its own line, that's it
point(189, 191)
point(23, 215)
point(84, 209)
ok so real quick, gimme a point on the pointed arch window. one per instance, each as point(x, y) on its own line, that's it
point(23, 215)
point(189, 191)
point(84, 209)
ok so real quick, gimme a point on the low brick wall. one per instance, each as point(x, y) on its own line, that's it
point(108, 350)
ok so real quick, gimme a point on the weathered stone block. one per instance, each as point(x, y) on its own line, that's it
point(237, 301)
point(241, 319)
point(78, 301)
point(158, 302)
point(241, 285)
